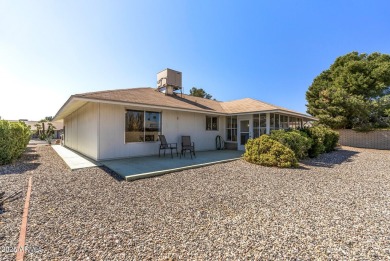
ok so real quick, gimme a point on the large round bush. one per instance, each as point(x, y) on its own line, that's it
point(268, 152)
point(324, 139)
point(14, 137)
point(297, 141)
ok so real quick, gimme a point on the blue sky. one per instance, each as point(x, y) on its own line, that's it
point(267, 50)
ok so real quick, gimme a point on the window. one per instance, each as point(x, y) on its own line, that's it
point(263, 123)
point(295, 122)
point(271, 121)
point(231, 128)
point(259, 124)
point(277, 125)
point(291, 122)
point(284, 122)
point(256, 126)
point(142, 126)
point(211, 123)
point(152, 125)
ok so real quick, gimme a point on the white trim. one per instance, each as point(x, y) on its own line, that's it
point(297, 114)
point(62, 108)
point(248, 118)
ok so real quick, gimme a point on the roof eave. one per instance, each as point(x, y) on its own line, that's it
point(55, 118)
point(142, 105)
point(276, 111)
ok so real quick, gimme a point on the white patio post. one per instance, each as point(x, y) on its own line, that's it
point(288, 122)
point(268, 123)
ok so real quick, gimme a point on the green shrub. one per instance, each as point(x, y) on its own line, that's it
point(324, 139)
point(331, 139)
point(297, 141)
point(6, 150)
point(318, 138)
point(268, 152)
point(14, 137)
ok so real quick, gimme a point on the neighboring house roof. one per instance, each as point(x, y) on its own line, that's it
point(59, 125)
point(145, 97)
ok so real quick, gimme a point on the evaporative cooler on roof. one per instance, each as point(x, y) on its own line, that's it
point(169, 81)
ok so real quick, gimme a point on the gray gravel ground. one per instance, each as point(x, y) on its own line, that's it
point(13, 179)
point(334, 207)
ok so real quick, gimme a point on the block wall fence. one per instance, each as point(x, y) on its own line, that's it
point(378, 139)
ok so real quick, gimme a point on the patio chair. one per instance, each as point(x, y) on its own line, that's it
point(167, 146)
point(186, 144)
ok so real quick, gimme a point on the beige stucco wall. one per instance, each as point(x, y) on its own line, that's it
point(174, 125)
point(378, 139)
point(81, 130)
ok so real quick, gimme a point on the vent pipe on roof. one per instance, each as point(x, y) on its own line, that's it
point(169, 90)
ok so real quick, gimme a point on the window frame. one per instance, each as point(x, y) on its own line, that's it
point(144, 125)
point(211, 123)
point(261, 129)
point(231, 128)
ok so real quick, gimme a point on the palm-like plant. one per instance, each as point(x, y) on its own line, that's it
point(39, 128)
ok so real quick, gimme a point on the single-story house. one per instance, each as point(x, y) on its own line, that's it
point(126, 123)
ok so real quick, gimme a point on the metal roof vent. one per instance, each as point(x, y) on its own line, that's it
point(169, 81)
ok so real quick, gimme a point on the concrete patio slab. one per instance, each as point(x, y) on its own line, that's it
point(73, 159)
point(144, 167)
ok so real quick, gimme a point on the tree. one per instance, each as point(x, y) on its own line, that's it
point(199, 93)
point(43, 126)
point(353, 93)
point(39, 128)
point(50, 129)
point(49, 118)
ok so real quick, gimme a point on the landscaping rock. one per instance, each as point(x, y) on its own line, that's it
point(334, 207)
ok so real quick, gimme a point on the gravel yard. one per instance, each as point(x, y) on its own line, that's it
point(334, 207)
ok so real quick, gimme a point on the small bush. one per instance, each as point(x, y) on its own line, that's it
point(268, 152)
point(324, 140)
point(14, 137)
point(297, 141)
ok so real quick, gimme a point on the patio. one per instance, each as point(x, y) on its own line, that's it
point(144, 167)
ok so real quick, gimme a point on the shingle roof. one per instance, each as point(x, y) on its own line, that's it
point(251, 105)
point(151, 97)
point(246, 105)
